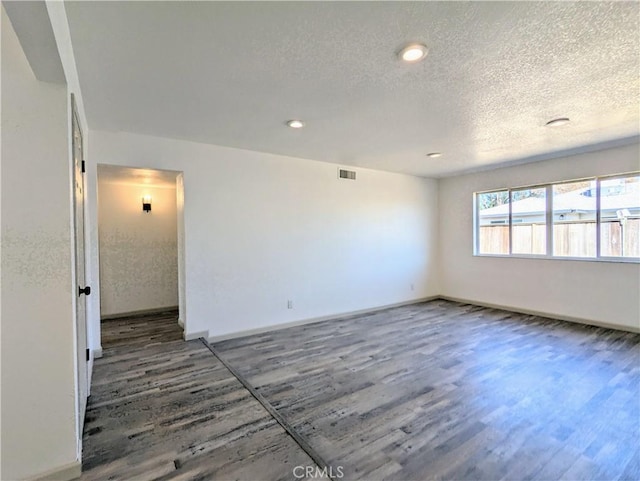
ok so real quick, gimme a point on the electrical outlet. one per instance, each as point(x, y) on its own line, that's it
point(289, 304)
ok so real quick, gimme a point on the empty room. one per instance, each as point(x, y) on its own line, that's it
point(266, 241)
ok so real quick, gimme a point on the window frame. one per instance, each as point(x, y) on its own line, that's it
point(548, 186)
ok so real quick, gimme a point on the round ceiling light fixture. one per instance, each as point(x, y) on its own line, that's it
point(558, 122)
point(434, 155)
point(413, 53)
point(295, 124)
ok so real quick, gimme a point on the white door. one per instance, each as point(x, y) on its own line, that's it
point(82, 290)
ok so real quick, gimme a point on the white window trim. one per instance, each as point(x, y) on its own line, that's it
point(549, 222)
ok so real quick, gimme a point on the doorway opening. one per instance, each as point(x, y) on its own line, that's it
point(141, 249)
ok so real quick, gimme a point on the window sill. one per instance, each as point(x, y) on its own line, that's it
point(617, 260)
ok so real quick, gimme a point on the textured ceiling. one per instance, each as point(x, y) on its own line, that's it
point(231, 73)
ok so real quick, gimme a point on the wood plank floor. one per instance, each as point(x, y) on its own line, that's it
point(141, 330)
point(438, 390)
point(443, 390)
point(162, 408)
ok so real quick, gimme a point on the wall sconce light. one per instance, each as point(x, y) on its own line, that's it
point(146, 203)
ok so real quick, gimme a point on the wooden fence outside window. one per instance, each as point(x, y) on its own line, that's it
point(571, 239)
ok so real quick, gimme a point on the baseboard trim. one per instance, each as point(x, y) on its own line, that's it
point(312, 320)
point(67, 472)
point(97, 353)
point(181, 323)
point(195, 335)
point(531, 312)
point(143, 312)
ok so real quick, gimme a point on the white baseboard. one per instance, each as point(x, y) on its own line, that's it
point(181, 323)
point(577, 320)
point(97, 353)
point(67, 472)
point(302, 322)
point(285, 325)
point(195, 335)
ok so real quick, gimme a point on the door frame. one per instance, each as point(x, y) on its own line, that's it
point(181, 244)
point(79, 273)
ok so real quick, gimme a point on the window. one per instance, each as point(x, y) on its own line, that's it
point(493, 219)
point(574, 219)
point(596, 218)
point(529, 221)
point(620, 217)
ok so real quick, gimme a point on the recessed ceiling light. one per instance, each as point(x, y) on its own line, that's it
point(295, 124)
point(433, 155)
point(557, 122)
point(413, 53)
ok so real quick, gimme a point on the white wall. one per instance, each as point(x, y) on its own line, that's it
point(182, 294)
point(38, 364)
point(138, 250)
point(602, 292)
point(261, 229)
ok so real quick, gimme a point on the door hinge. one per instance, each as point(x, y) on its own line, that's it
point(88, 354)
point(83, 167)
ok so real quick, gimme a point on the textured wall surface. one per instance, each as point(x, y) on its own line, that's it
point(262, 229)
point(138, 250)
point(38, 365)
